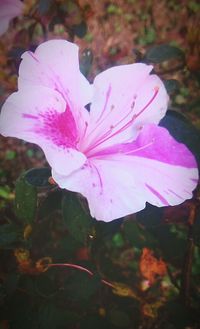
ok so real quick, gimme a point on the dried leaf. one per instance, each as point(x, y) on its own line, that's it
point(150, 266)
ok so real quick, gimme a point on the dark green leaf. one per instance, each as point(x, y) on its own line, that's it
point(119, 318)
point(95, 322)
point(196, 229)
point(86, 62)
point(52, 317)
point(8, 235)
point(179, 315)
point(150, 217)
point(80, 30)
point(172, 86)
point(137, 235)
point(25, 200)
point(38, 177)
point(45, 286)
point(161, 53)
point(170, 240)
point(11, 282)
point(78, 222)
point(50, 204)
point(82, 286)
point(21, 312)
point(43, 6)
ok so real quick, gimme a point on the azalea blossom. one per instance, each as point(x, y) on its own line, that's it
point(8, 10)
point(115, 155)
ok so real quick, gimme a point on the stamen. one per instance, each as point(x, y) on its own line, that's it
point(156, 90)
point(99, 141)
point(107, 135)
point(140, 148)
point(106, 103)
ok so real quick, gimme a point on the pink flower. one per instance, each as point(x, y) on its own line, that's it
point(115, 155)
point(8, 10)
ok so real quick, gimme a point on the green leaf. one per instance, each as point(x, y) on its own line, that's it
point(10, 155)
point(138, 236)
point(21, 312)
point(118, 240)
point(43, 6)
point(50, 204)
point(78, 222)
point(172, 86)
point(25, 200)
point(179, 315)
point(38, 177)
point(45, 286)
point(6, 193)
point(161, 53)
point(86, 62)
point(80, 30)
point(150, 35)
point(119, 318)
point(170, 241)
point(8, 235)
point(94, 321)
point(52, 317)
point(82, 286)
point(11, 282)
point(196, 230)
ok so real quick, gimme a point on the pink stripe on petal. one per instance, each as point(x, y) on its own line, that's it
point(164, 147)
point(175, 194)
point(60, 128)
point(158, 195)
point(153, 143)
point(29, 116)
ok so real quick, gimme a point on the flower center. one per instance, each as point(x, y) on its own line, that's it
point(59, 128)
point(121, 125)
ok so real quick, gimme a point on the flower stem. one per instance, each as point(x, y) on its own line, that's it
point(81, 268)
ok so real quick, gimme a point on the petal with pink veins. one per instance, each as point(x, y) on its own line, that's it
point(154, 168)
point(55, 64)
point(125, 98)
point(40, 115)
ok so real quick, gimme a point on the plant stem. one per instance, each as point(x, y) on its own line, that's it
point(81, 268)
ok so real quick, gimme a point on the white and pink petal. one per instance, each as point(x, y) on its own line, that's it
point(118, 184)
point(40, 115)
point(55, 65)
point(125, 98)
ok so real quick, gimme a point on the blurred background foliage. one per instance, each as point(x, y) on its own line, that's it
point(59, 267)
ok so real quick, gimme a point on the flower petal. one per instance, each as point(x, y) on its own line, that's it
point(155, 169)
point(125, 98)
point(8, 10)
point(40, 115)
point(55, 64)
